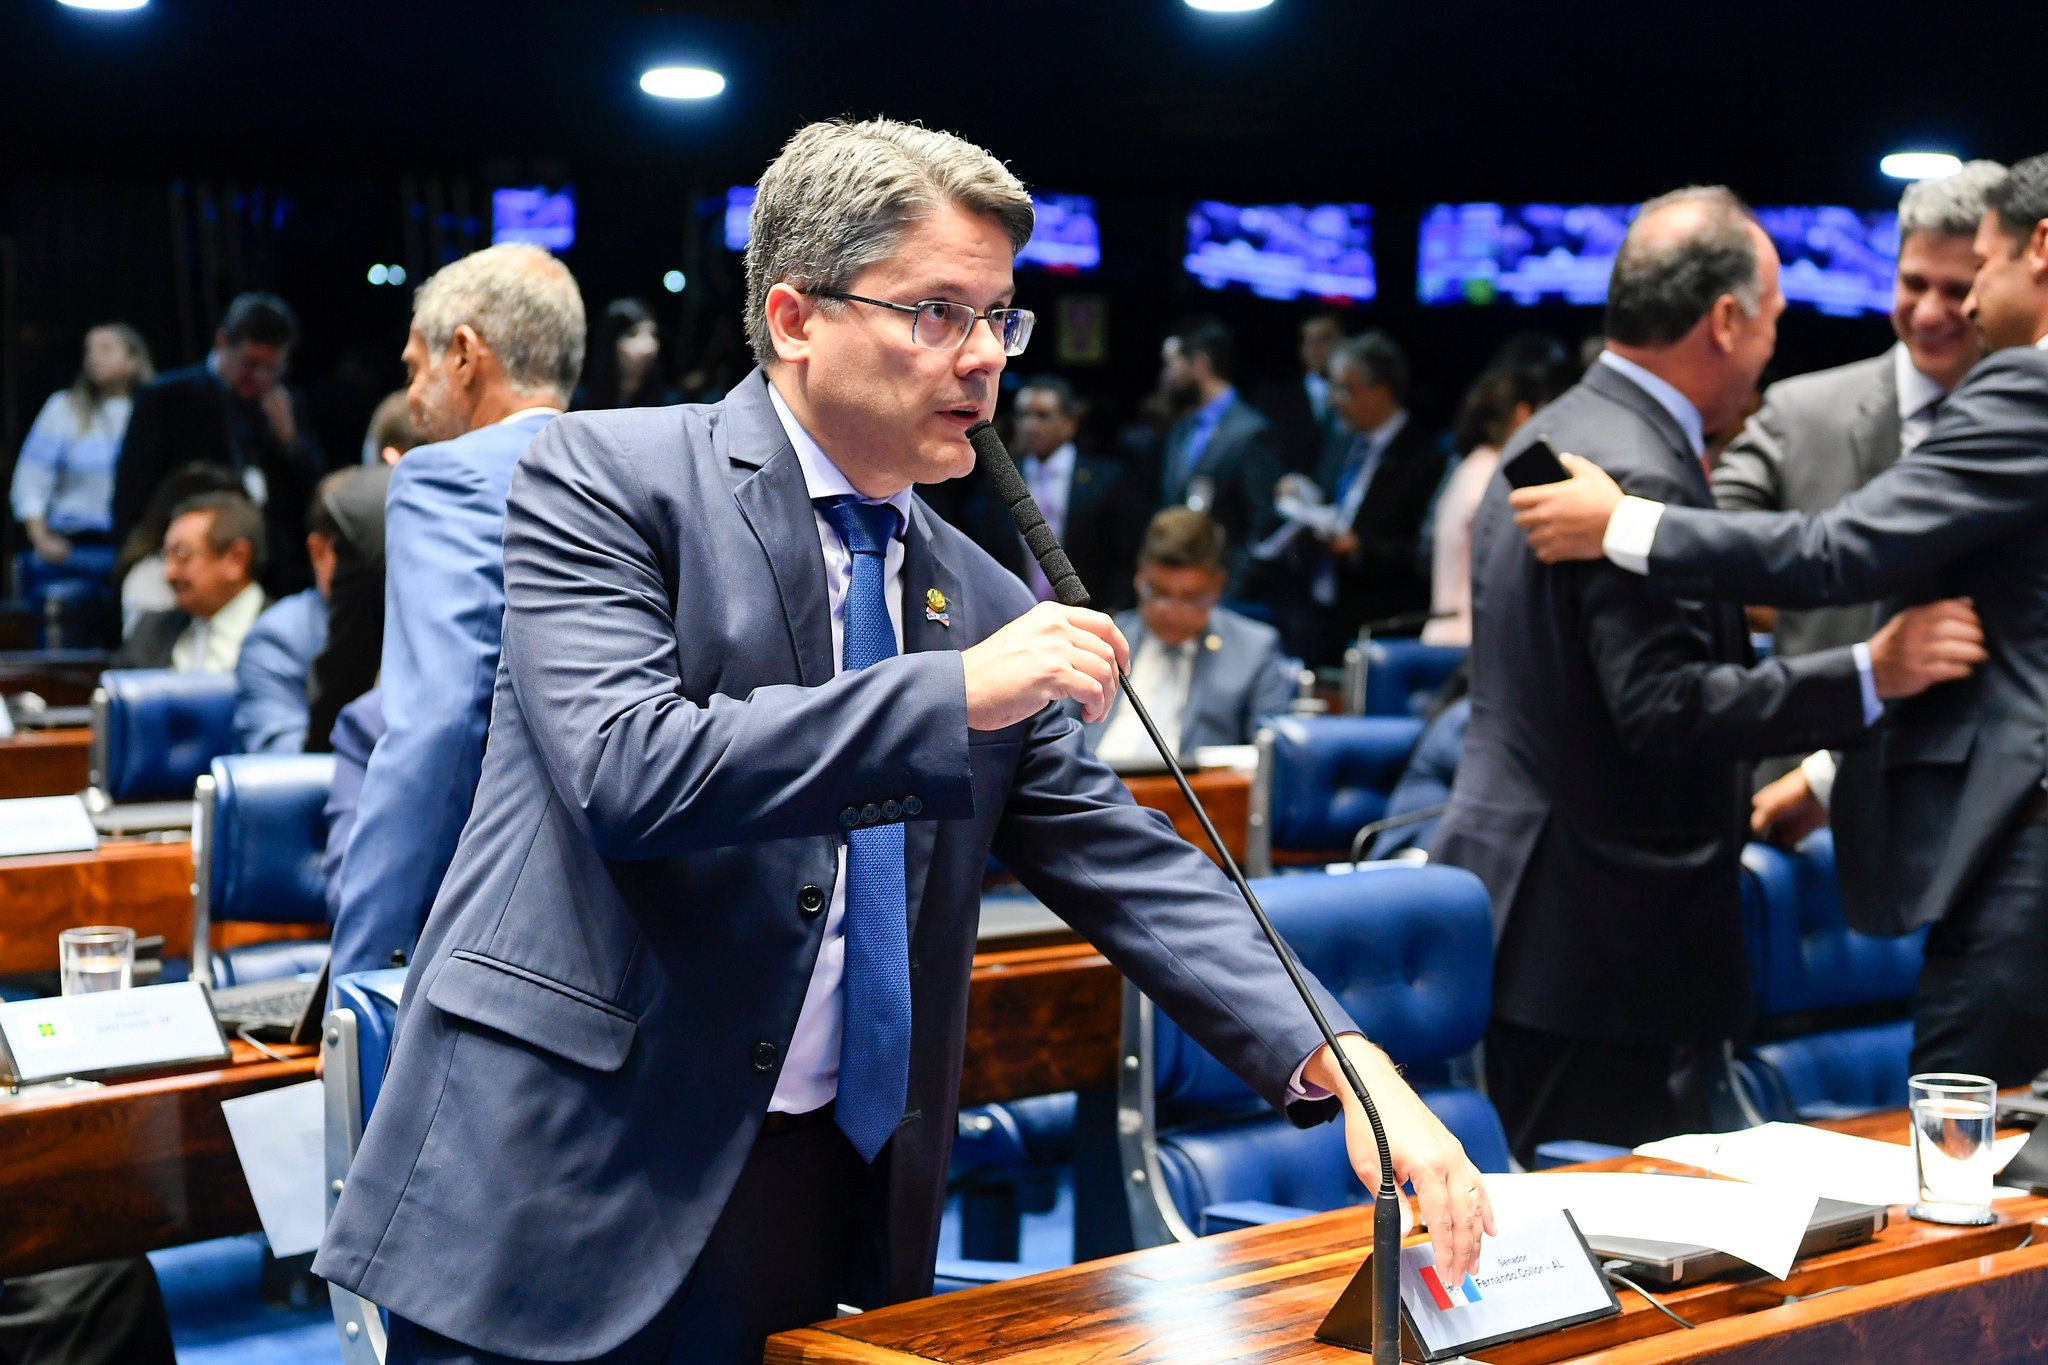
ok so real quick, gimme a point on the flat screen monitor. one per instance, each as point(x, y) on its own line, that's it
point(543, 217)
point(1283, 251)
point(739, 216)
point(1518, 253)
point(1837, 260)
point(1064, 238)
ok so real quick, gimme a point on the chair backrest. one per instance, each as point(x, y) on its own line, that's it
point(1321, 778)
point(1402, 677)
point(355, 1044)
point(1821, 990)
point(1408, 952)
point(155, 730)
point(1804, 957)
point(258, 834)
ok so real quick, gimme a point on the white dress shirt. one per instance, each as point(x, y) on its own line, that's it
point(1162, 675)
point(1917, 396)
point(1632, 527)
point(213, 645)
point(1051, 480)
point(810, 1069)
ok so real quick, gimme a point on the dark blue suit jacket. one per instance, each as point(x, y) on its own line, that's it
point(611, 975)
point(444, 595)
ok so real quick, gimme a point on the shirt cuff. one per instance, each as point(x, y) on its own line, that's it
point(1299, 1089)
point(1820, 776)
point(1631, 530)
point(1873, 708)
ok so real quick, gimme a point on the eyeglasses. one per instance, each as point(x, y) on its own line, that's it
point(942, 325)
point(1193, 601)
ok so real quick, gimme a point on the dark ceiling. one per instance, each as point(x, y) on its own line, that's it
point(1366, 99)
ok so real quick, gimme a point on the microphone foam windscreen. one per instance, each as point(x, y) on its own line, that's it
point(1016, 495)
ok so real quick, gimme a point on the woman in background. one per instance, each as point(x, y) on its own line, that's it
point(625, 361)
point(63, 492)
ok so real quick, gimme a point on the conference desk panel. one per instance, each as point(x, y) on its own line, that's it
point(43, 763)
point(90, 1174)
point(1917, 1293)
point(1226, 794)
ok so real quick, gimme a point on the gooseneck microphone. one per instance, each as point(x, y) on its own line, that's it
point(1067, 586)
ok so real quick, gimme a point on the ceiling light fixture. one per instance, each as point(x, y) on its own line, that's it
point(103, 4)
point(682, 82)
point(1228, 6)
point(1919, 165)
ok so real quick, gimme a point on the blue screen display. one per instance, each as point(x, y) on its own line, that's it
point(1518, 253)
point(1064, 238)
point(1283, 251)
point(739, 210)
point(543, 217)
point(1837, 260)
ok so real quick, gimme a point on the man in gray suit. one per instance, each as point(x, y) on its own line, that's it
point(1820, 437)
point(679, 1060)
point(1943, 821)
point(1206, 672)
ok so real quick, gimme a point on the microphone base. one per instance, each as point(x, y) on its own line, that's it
point(1358, 1321)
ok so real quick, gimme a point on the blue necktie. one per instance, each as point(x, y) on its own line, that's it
point(874, 1046)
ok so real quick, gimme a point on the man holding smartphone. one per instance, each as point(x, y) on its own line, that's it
point(1603, 786)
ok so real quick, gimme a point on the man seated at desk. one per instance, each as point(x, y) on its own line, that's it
point(1206, 673)
point(213, 551)
point(277, 656)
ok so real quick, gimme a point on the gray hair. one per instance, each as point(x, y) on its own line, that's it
point(521, 301)
point(839, 196)
point(1663, 284)
point(1951, 205)
point(1376, 358)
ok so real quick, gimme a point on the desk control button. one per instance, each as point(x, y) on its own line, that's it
point(892, 809)
point(810, 900)
point(912, 806)
point(764, 1056)
point(850, 817)
point(870, 813)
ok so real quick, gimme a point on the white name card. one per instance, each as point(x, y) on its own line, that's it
point(1533, 1278)
point(108, 1032)
point(46, 824)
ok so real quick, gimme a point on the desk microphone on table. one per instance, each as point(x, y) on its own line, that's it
point(1067, 587)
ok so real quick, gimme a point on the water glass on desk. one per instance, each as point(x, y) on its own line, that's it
point(98, 957)
point(1954, 1119)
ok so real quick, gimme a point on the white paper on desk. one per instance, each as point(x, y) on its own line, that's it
point(1833, 1165)
point(1761, 1224)
point(46, 824)
point(279, 1141)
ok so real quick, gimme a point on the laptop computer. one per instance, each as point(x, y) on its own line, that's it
point(1670, 1265)
point(283, 1011)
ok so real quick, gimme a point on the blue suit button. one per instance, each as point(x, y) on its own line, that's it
point(912, 806)
point(850, 817)
point(870, 813)
point(892, 810)
point(764, 1056)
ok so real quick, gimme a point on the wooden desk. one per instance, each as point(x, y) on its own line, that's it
point(139, 1164)
point(1226, 793)
point(1916, 1293)
point(61, 677)
point(1040, 1020)
point(43, 763)
point(144, 885)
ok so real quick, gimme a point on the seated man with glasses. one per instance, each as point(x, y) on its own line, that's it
point(1206, 673)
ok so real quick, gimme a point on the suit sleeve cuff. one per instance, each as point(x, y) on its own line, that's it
point(1301, 1089)
point(1631, 530)
point(1873, 708)
point(1819, 768)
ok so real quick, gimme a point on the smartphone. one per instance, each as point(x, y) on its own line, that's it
point(1537, 463)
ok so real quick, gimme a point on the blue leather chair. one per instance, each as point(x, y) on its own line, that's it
point(1319, 780)
point(73, 600)
point(355, 1044)
point(1408, 951)
point(259, 831)
point(1008, 1160)
point(154, 731)
point(1396, 677)
point(1830, 1002)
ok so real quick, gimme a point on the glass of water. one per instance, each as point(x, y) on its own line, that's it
point(98, 957)
point(1954, 1118)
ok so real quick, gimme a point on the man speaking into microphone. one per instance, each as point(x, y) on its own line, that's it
point(680, 1053)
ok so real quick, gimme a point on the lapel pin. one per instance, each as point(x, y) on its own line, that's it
point(935, 608)
point(1214, 642)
